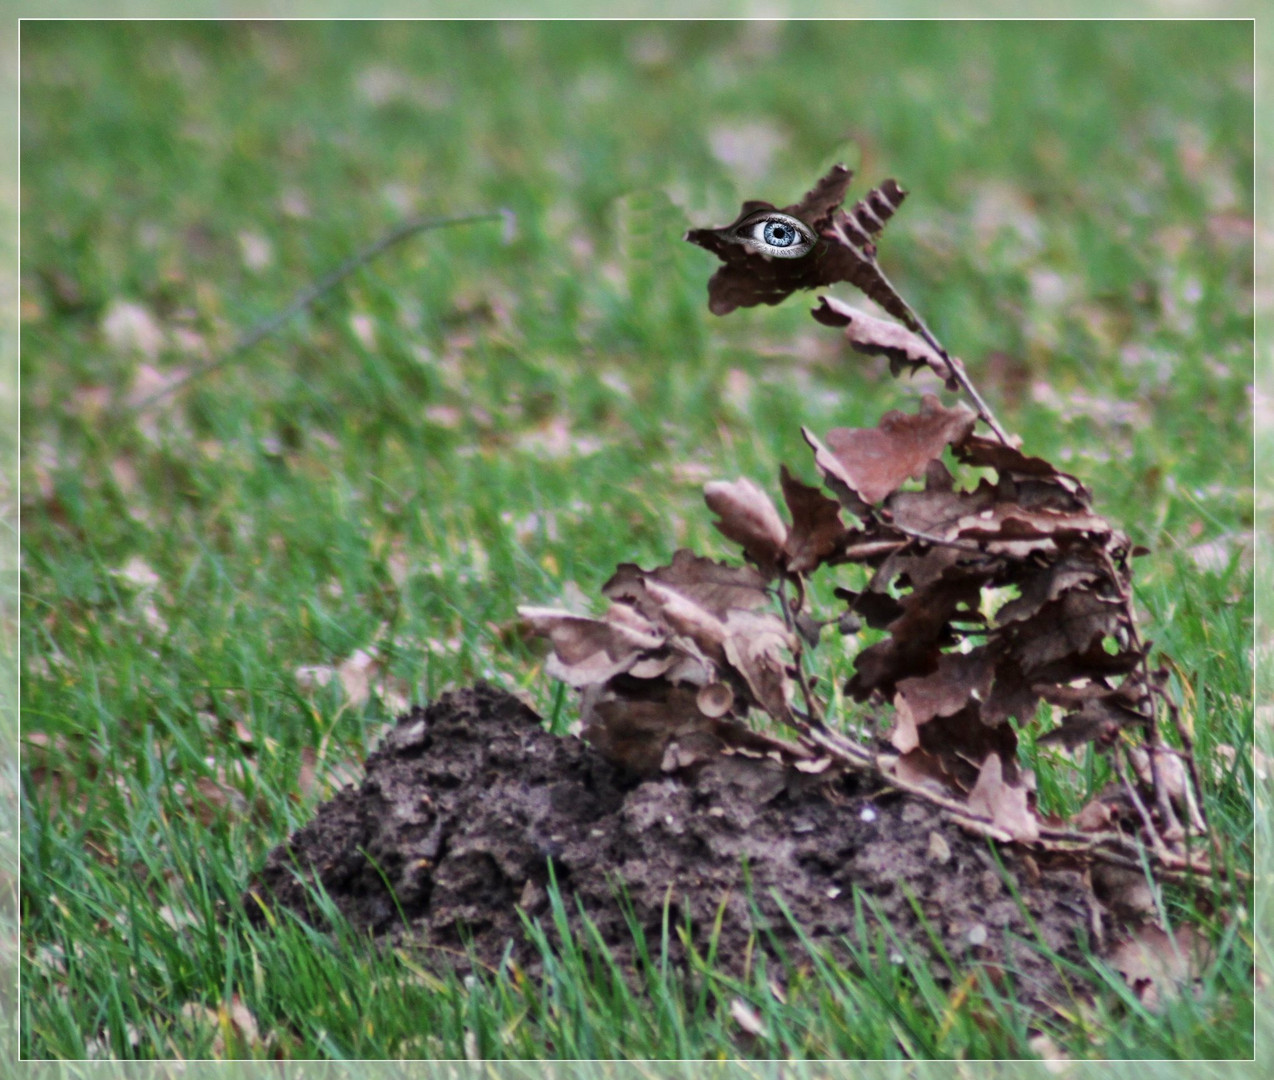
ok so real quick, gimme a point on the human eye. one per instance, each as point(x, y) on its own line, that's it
point(780, 236)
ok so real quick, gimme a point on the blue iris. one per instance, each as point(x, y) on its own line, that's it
point(779, 234)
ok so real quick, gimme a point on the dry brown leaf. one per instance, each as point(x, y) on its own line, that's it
point(944, 692)
point(876, 461)
point(589, 650)
point(759, 647)
point(1094, 817)
point(1012, 464)
point(1158, 965)
point(716, 587)
point(1003, 803)
point(687, 619)
point(1098, 718)
point(837, 478)
point(904, 735)
point(843, 250)
point(1038, 587)
point(817, 530)
point(920, 768)
point(748, 517)
point(878, 337)
point(635, 734)
point(1063, 629)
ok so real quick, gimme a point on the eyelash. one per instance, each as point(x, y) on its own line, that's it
point(751, 233)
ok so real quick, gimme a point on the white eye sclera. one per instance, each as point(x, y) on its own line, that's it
point(780, 236)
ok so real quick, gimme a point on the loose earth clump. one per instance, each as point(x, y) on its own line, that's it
point(468, 803)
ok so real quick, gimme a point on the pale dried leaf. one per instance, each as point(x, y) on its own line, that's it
point(688, 619)
point(939, 850)
point(1004, 804)
point(748, 1019)
point(760, 647)
point(245, 1024)
point(130, 327)
point(1157, 965)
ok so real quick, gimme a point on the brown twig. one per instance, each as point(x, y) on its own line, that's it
point(1152, 834)
point(916, 323)
point(812, 704)
point(1158, 789)
point(1109, 847)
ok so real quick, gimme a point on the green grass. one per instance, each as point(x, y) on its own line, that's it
point(469, 424)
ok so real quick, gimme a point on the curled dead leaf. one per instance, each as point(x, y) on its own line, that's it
point(877, 337)
point(590, 650)
point(748, 517)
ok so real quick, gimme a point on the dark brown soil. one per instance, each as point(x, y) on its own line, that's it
point(466, 803)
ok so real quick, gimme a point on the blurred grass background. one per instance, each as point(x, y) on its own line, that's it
point(227, 595)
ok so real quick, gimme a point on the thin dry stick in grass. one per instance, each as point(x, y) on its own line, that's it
point(315, 292)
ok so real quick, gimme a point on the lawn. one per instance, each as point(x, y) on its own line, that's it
point(238, 567)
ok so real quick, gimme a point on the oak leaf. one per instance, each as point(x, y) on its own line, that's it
point(589, 650)
point(714, 586)
point(749, 518)
point(843, 249)
point(871, 336)
point(874, 462)
point(816, 530)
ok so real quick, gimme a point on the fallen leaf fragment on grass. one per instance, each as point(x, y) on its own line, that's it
point(748, 1019)
point(360, 675)
point(1156, 965)
point(130, 327)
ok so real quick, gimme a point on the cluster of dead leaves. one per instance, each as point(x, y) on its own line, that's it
point(956, 671)
point(993, 595)
point(994, 592)
point(683, 653)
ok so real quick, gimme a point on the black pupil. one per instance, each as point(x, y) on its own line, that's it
point(779, 233)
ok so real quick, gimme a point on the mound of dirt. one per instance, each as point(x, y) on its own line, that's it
point(466, 803)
